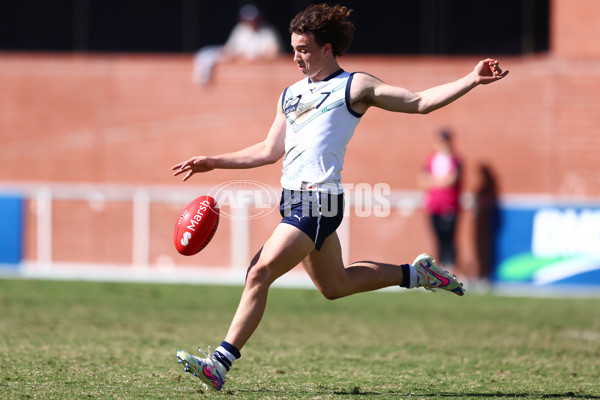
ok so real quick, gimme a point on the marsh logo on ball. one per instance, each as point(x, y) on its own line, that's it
point(186, 239)
point(196, 225)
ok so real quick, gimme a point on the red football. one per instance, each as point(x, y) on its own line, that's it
point(196, 225)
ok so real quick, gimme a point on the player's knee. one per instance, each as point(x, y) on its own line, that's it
point(330, 292)
point(258, 274)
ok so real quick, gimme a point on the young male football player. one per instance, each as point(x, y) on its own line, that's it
point(314, 121)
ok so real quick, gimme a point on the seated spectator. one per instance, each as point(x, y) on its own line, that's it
point(252, 38)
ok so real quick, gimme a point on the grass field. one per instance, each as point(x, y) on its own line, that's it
point(78, 340)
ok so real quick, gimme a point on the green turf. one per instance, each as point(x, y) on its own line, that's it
point(78, 340)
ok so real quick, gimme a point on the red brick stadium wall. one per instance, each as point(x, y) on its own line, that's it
point(127, 119)
point(575, 29)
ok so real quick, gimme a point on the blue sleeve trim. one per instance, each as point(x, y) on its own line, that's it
point(350, 110)
point(283, 98)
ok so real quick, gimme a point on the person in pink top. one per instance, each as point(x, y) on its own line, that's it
point(441, 179)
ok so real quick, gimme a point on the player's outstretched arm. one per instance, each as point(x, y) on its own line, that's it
point(368, 91)
point(266, 152)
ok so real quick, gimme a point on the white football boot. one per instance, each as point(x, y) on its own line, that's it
point(433, 277)
point(209, 370)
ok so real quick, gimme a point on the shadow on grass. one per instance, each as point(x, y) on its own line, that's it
point(357, 392)
point(517, 395)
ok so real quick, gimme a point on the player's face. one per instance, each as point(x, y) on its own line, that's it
point(308, 54)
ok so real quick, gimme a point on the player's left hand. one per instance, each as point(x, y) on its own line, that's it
point(488, 71)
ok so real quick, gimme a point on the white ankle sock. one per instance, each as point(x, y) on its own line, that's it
point(414, 277)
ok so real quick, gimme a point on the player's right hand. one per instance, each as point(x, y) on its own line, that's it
point(193, 165)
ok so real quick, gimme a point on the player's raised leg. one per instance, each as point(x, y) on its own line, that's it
point(334, 280)
point(327, 271)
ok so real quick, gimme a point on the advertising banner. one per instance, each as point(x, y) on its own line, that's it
point(11, 229)
point(548, 244)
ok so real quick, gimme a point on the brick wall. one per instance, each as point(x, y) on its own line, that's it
point(129, 118)
point(575, 29)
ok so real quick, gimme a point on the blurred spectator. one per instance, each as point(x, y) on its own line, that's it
point(441, 178)
point(252, 38)
point(487, 221)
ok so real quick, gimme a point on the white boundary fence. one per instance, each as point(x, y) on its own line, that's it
point(41, 197)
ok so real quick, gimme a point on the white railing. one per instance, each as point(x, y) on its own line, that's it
point(42, 196)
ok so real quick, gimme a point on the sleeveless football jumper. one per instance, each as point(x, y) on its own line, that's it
point(319, 125)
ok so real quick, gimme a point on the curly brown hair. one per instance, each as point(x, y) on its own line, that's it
point(328, 25)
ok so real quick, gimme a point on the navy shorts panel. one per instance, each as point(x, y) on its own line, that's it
point(317, 214)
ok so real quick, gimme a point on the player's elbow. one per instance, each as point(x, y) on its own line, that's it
point(418, 106)
point(423, 105)
point(425, 108)
point(271, 156)
point(271, 159)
